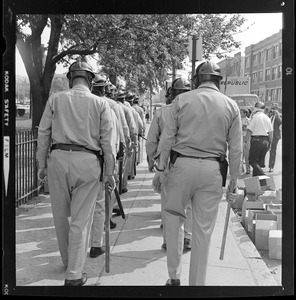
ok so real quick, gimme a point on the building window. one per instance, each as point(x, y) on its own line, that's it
point(280, 71)
point(261, 57)
point(268, 54)
point(255, 57)
point(274, 73)
point(254, 77)
point(247, 64)
point(279, 95)
point(273, 95)
point(268, 98)
point(275, 52)
point(267, 74)
point(260, 77)
point(280, 49)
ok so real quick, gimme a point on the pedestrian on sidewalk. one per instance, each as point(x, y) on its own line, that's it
point(259, 134)
point(74, 165)
point(179, 86)
point(200, 126)
point(246, 143)
point(276, 121)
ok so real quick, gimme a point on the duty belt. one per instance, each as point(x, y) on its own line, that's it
point(68, 147)
point(209, 158)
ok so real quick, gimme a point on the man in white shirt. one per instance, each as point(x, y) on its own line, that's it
point(260, 133)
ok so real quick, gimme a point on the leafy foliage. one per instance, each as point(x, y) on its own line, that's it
point(138, 48)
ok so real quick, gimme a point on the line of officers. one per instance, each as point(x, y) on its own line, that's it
point(129, 123)
point(89, 136)
point(81, 129)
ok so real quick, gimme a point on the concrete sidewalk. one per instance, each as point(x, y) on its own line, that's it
point(136, 255)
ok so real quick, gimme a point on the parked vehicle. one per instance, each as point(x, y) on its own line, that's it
point(245, 100)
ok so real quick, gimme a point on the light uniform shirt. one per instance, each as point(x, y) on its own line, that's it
point(260, 124)
point(123, 128)
point(201, 123)
point(116, 134)
point(155, 130)
point(141, 113)
point(130, 121)
point(77, 117)
point(137, 118)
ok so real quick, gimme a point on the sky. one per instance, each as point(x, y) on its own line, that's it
point(257, 27)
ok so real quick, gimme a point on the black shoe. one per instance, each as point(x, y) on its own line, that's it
point(163, 246)
point(112, 224)
point(124, 191)
point(270, 170)
point(172, 282)
point(187, 244)
point(116, 211)
point(96, 251)
point(76, 282)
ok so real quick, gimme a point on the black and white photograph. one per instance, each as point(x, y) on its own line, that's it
point(148, 144)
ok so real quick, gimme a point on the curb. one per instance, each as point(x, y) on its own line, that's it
point(257, 266)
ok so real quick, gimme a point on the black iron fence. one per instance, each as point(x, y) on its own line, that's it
point(26, 182)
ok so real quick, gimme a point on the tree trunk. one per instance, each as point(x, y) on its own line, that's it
point(37, 105)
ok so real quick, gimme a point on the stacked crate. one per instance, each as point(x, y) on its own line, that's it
point(262, 214)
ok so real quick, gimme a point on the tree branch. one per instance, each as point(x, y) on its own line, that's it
point(36, 32)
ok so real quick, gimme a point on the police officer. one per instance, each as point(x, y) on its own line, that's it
point(133, 135)
point(111, 91)
point(141, 113)
point(139, 125)
point(97, 230)
point(73, 165)
point(179, 86)
point(200, 125)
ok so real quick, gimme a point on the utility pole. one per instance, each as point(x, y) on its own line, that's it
point(193, 59)
point(195, 53)
point(174, 71)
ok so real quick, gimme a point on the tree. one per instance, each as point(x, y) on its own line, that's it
point(136, 47)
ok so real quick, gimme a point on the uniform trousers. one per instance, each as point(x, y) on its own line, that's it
point(188, 220)
point(258, 150)
point(198, 181)
point(125, 171)
point(97, 229)
point(73, 181)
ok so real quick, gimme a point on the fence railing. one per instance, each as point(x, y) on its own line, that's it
point(26, 182)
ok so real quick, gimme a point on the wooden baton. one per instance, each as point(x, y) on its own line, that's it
point(225, 232)
point(107, 227)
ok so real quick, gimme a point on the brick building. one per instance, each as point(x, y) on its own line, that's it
point(263, 64)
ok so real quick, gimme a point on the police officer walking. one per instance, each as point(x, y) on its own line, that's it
point(179, 86)
point(77, 126)
point(133, 136)
point(200, 126)
point(97, 230)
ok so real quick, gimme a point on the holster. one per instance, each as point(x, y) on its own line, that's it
point(223, 168)
point(101, 161)
point(120, 153)
point(173, 156)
